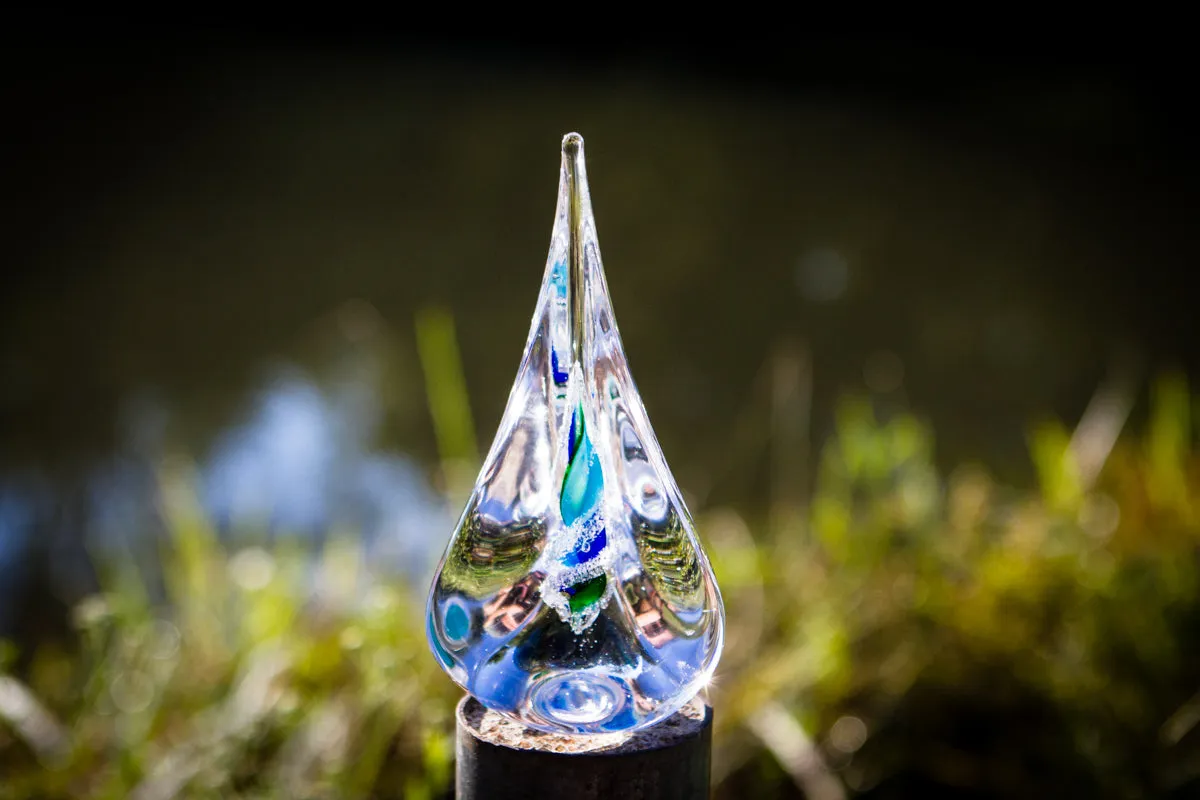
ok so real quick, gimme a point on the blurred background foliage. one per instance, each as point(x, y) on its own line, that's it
point(922, 371)
point(900, 631)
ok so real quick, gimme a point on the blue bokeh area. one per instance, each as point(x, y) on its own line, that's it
point(299, 466)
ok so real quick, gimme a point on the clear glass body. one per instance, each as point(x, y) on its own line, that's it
point(574, 595)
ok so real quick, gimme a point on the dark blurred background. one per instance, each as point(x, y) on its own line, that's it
point(220, 245)
point(1002, 216)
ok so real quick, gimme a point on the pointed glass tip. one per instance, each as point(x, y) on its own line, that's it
point(572, 144)
point(574, 596)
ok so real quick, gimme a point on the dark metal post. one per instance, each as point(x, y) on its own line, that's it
point(499, 759)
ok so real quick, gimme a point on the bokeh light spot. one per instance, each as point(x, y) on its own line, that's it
point(822, 275)
point(848, 734)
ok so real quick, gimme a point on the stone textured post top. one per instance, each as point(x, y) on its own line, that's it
point(499, 759)
point(488, 726)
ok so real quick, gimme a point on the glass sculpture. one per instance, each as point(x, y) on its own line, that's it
point(574, 595)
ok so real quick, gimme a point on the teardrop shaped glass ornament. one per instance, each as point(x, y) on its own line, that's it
point(574, 596)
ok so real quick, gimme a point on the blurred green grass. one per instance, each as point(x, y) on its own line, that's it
point(892, 630)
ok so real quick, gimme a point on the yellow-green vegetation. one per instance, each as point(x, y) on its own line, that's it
point(268, 674)
point(901, 631)
point(970, 636)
